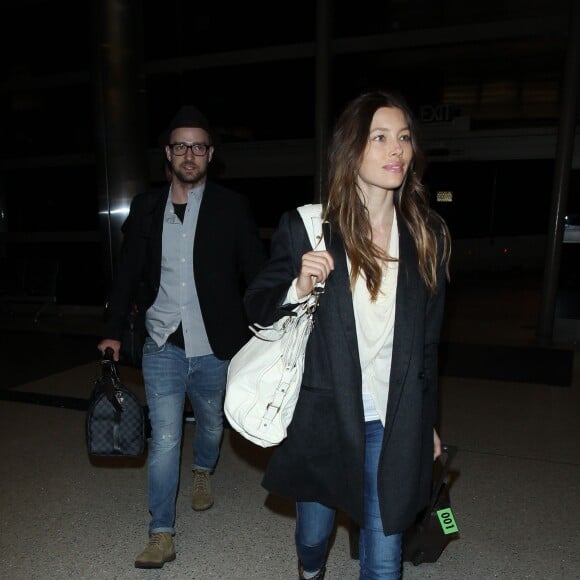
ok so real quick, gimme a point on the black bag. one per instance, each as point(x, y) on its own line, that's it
point(436, 527)
point(133, 339)
point(115, 422)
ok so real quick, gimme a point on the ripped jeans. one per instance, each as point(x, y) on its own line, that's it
point(168, 377)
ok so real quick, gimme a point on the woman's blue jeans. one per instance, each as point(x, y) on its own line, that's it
point(380, 555)
point(169, 375)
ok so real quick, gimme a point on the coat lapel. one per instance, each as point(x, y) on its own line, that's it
point(339, 285)
point(405, 319)
point(405, 312)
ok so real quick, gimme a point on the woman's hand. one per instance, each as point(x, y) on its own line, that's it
point(315, 268)
point(436, 445)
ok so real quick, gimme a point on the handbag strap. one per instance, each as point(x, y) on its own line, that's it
point(109, 378)
point(311, 215)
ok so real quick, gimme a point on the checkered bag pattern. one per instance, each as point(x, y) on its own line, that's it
point(115, 422)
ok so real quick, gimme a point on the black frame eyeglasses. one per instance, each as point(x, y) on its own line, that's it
point(198, 149)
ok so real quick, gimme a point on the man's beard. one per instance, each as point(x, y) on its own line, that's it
point(190, 178)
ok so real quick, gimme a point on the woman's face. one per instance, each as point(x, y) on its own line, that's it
point(388, 154)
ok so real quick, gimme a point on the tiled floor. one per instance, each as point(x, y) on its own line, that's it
point(515, 492)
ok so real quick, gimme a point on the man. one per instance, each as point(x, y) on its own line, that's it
point(188, 252)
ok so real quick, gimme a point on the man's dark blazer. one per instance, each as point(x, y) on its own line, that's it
point(322, 458)
point(227, 254)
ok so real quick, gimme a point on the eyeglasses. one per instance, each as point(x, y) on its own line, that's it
point(199, 149)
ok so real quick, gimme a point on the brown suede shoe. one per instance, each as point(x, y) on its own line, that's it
point(201, 497)
point(158, 551)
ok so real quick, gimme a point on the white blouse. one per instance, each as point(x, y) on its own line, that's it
point(375, 324)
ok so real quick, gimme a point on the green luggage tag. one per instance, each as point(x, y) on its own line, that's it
point(447, 521)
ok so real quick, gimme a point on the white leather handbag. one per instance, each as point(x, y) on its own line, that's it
point(264, 377)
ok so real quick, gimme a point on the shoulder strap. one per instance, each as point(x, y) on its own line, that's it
point(311, 215)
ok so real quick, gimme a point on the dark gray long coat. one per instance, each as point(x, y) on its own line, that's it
point(322, 457)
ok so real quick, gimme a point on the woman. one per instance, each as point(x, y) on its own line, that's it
point(362, 438)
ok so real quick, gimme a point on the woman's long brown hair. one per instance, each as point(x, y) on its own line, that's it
point(345, 209)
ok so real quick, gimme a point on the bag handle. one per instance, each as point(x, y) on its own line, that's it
point(109, 378)
point(311, 215)
point(448, 452)
point(317, 231)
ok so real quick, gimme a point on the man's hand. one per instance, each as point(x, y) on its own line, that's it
point(109, 343)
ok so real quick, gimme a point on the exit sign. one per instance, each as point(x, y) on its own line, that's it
point(437, 113)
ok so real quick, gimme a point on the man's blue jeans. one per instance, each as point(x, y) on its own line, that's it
point(168, 377)
point(380, 555)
